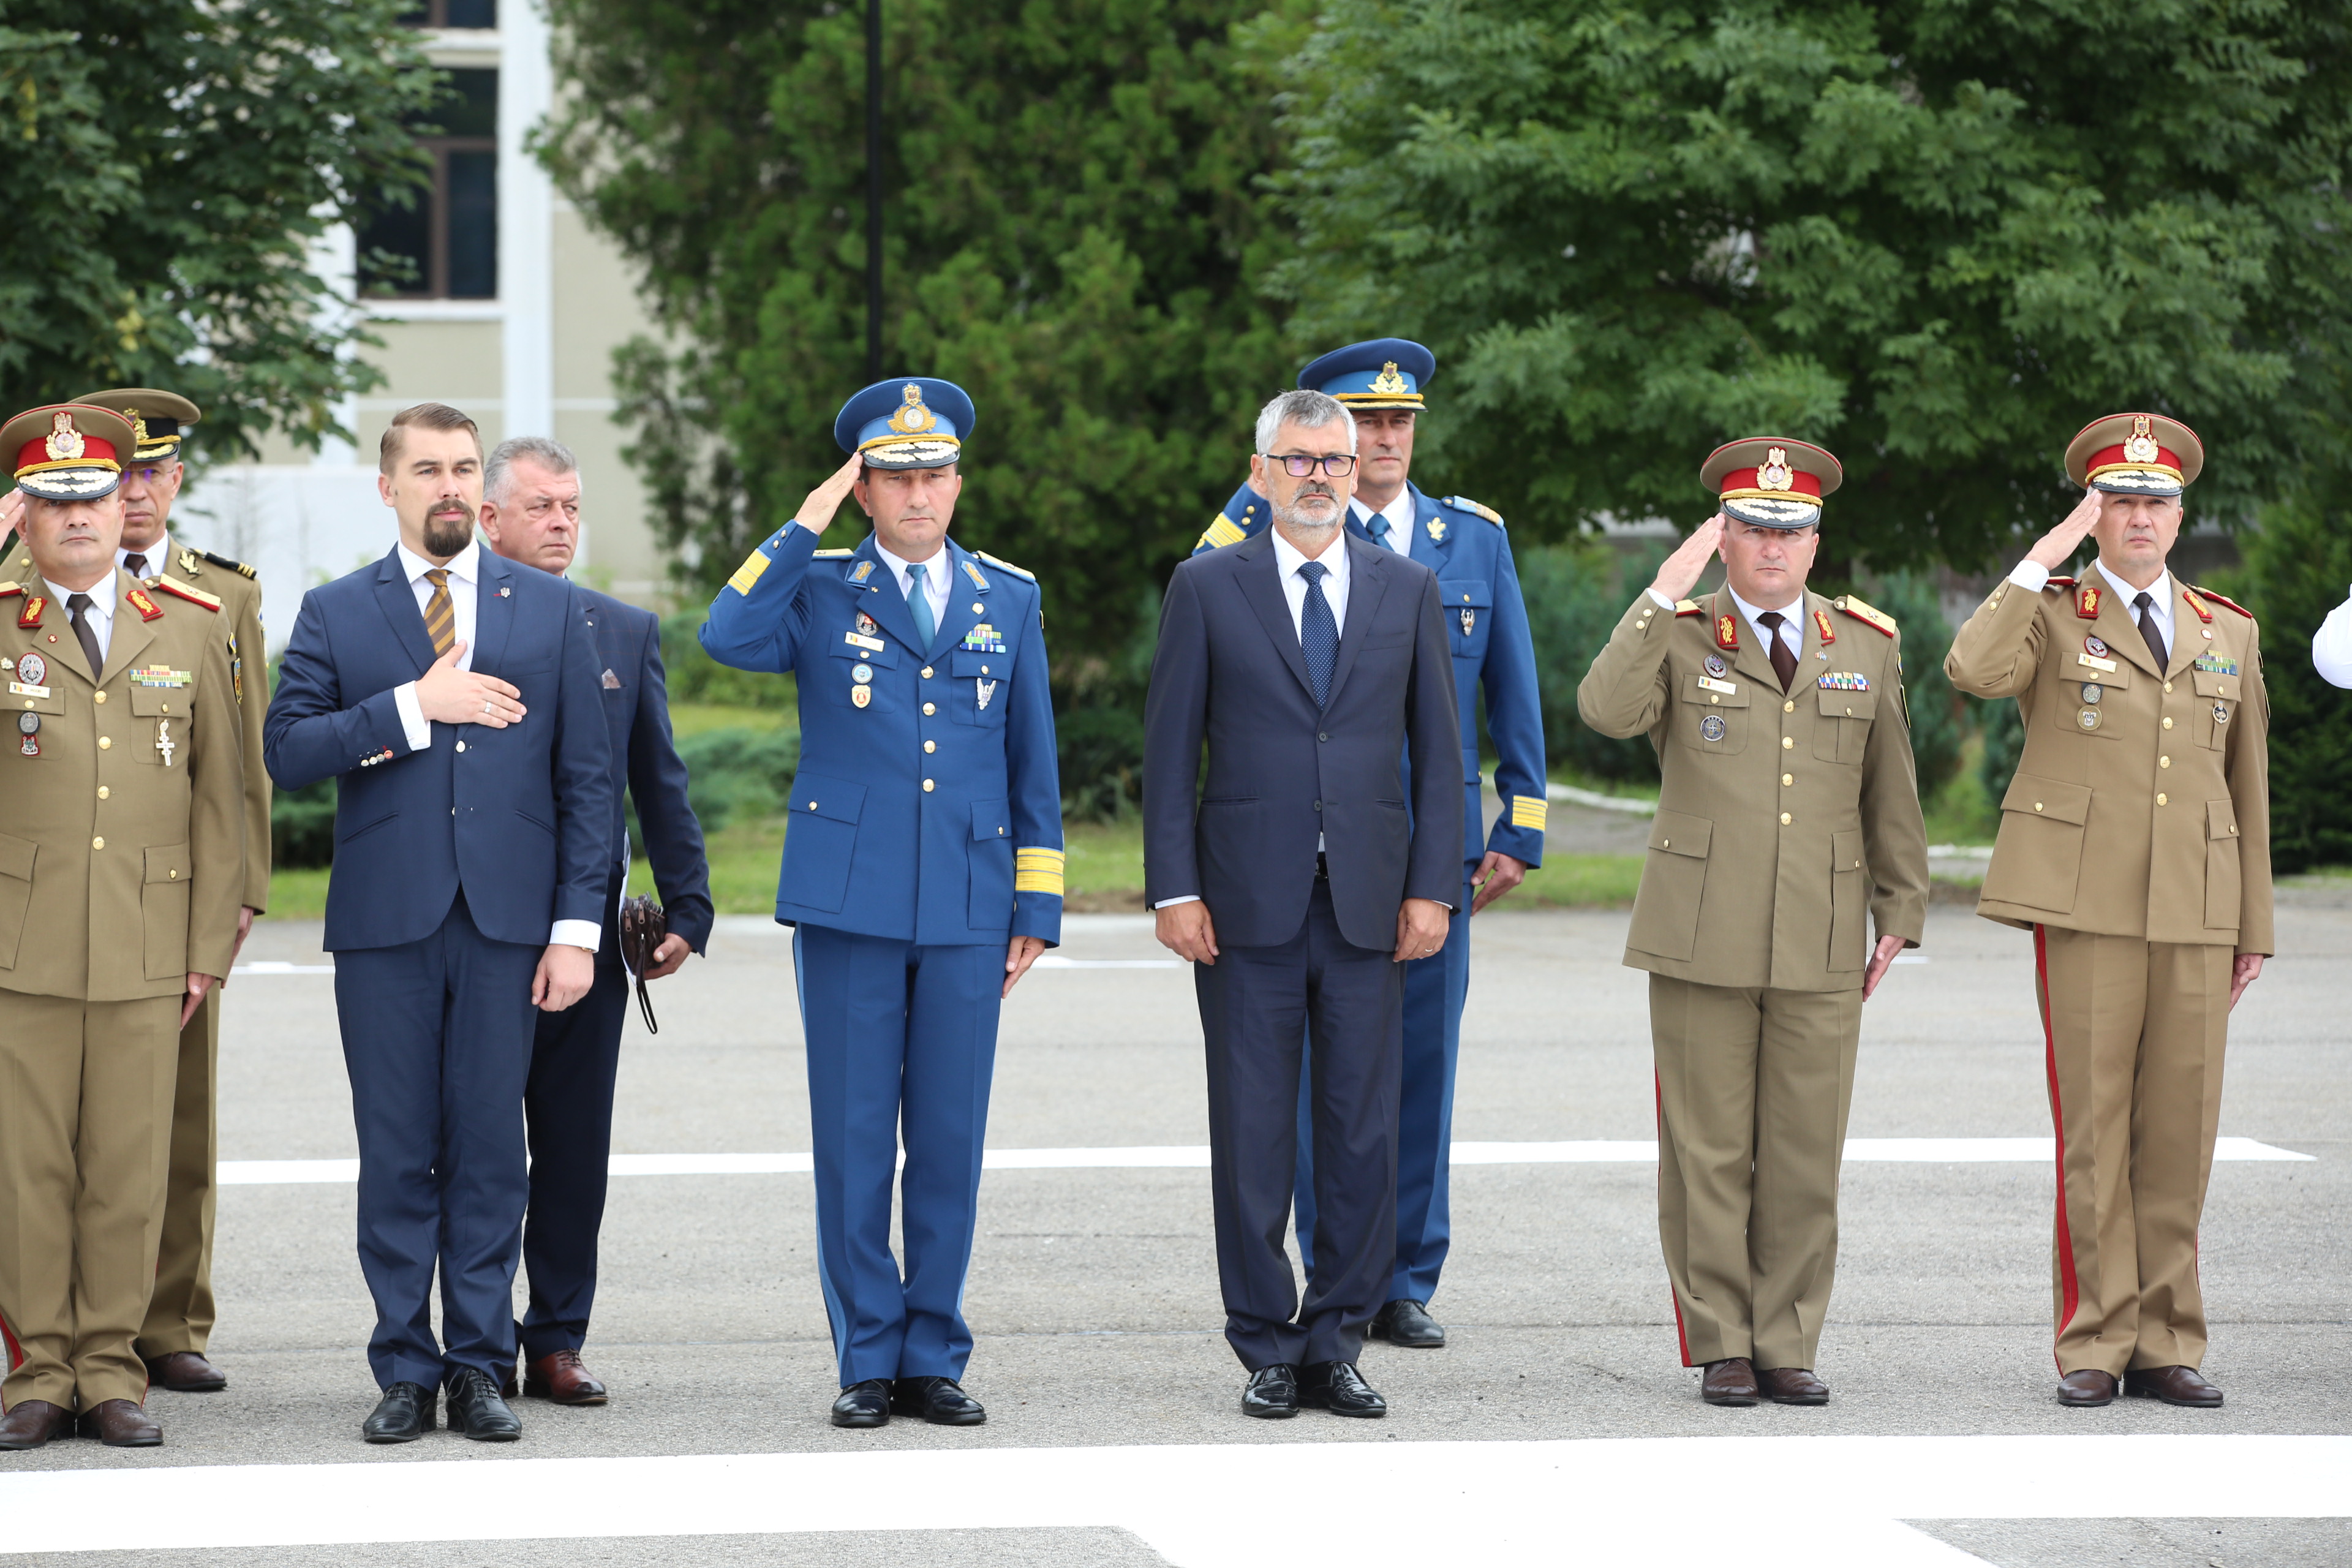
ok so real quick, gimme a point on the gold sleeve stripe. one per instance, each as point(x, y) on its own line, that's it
point(1529, 811)
point(1221, 532)
point(749, 572)
point(1037, 870)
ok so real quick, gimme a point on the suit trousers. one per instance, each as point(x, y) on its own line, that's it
point(1753, 1088)
point(84, 1140)
point(437, 1040)
point(567, 1107)
point(901, 1038)
point(2134, 1032)
point(1435, 988)
point(180, 1315)
point(1318, 1002)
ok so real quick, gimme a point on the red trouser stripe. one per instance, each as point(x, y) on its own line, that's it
point(1658, 1091)
point(2070, 1288)
point(15, 1353)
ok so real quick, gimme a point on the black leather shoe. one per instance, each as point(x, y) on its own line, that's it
point(32, 1422)
point(864, 1403)
point(941, 1401)
point(2086, 1389)
point(476, 1410)
point(1792, 1385)
point(2182, 1385)
point(1339, 1387)
point(122, 1423)
point(405, 1413)
point(186, 1372)
point(1408, 1325)
point(1273, 1392)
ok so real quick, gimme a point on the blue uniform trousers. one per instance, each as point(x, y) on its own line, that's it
point(568, 1110)
point(900, 1036)
point(437, 1040)
point(1434, 990)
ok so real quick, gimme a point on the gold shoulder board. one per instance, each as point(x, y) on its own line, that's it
point(1023, 573)
point(831, 554)
point(180, 590)
point(2225, 603)
point(1464, 503)
point(1688, 607)
point(1878, 620)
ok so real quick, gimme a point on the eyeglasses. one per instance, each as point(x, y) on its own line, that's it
point(1297, 465)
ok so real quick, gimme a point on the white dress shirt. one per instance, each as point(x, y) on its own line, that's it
point(1792, 623)
point(935, 578)
point(464, 570)
point(100, 614)
point(2331, 647)
point(1399, 512)
point(2032, 577)
point(157, 555)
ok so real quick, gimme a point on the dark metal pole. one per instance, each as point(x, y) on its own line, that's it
point(873, 190)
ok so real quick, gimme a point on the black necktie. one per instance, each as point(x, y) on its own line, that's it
point(2149, 633)
point(1319, 632)
point(136, 564)
point(76, 611)
point(1784, 660)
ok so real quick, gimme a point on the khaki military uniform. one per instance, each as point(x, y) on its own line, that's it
point(122, 866)
point(2134, 844)
point(1783, 820)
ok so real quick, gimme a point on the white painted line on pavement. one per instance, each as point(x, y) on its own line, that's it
point(1600, 802)
point(276, 967)
point(1501, 1503)
point(1055, 961)
point(1195, 1157)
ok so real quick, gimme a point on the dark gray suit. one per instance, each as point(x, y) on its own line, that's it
point(1302, 955)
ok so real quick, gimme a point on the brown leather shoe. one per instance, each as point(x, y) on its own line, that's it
point(1729, 1382)
point(186, 1372)
point(31, 1422)
point(562, 1378)
point(2086, 1388)
point(2182, 1385)
point(1792, 1385)
point(120, 1424)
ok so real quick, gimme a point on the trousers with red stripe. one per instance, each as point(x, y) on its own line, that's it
point(2134, 1032)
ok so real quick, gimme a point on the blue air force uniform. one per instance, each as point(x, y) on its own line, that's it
point(925, 833)
point(1486, 621)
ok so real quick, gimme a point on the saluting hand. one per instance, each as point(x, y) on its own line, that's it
point(2057, 547)
point(1680, 573)
point(12, 513)
point(447, 695)
point(817, 509)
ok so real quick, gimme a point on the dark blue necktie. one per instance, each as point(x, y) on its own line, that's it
point(1319, 632)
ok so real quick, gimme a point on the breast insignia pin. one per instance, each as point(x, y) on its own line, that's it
point(1711, 727)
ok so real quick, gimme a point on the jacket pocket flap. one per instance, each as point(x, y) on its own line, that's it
point(1465, 592)
point(1848, 704)
point(16, 857)
point(168, 864)
point(1845, 849)
point(1679, 835)
point(966, 665)
point(162, 701)
point(2211, 685)
point(886, 656)
point(2047, 797)
point(2119, 678)
point(1696, 693)
point(815, 796)
point(2220, 819)
point(991, 820)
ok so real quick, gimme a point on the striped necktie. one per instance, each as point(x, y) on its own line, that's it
point(440, 614)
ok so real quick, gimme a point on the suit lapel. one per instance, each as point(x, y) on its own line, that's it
point(2188, 630)
point(967, 597)
point(1261, 587)
point(131, 631)
point(493, 612)
point(2117, 626)
point(398, 601)
point(1431, 552)
point(1368, 569)
point(1751, 658)
point(887, 604)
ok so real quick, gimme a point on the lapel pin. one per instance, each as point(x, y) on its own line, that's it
point(504, 591)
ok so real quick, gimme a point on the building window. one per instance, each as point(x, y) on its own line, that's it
point(452, 13)
point(445, 246)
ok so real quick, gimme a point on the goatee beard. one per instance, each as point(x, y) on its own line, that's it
point(445, 536)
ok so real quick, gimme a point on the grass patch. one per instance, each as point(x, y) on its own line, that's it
point(1578, 882)
point(1631, 789)
point(1962, 812)
point(298, 895)
point(687, 719)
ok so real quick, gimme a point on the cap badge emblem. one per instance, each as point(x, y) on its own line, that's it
point(1774, 475)
point(138, 425)
point(64, 443)
point(1389, 382)
point(911, 418)
point(2140, 446)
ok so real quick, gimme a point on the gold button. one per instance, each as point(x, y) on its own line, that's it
point(2167, 688)
point(167, 708)
point(2167, 723)
point(927, 786)
point(930, 745)
point(173, 873)
point(811, 806)
point(100, 698)
point(1788, 779)
point(1665, 844)
point(2037, 806)
point(2164, 762)
point(1784, 819)
point(978, 611)
point(1786, 742)
point(1712, 697)
point(2233, 828)
point(105, 743)
point(1788, 707)
point(926, 672)
point(98, 844)
point(2160, 800)
point(928, 710)
point(101, 792)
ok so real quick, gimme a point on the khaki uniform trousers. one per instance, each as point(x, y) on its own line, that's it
point(84, 1140)
point(180, 1317)
point(1753, 1086)
point(2134, 1032)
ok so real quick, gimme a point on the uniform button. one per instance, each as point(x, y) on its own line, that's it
point(2037, 806)
point(1319, 806)
point(926, 672)
point(931, 746)
point(105, 743)
point(811, 806)
point(101, 792)
point(2233, 829)
point(2168, 688)
point(2160, 800)
point(1784, 819)
point(1712, 697)
point(1786, 742)
point(98, 844)
point(927, 786)
point(2167, 723)
point(2164, 762)
point(978, 611)
point(1788, 707)
point(1323, 735)
point(1788, 779)
point(100, 698)
point(2208, 633)
point(1665, 844)
point(928, 710)
point(1849, 712)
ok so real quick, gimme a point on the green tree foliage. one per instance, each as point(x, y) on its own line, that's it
point(1576, 592)
point(1072, 216)
point(1935, 235)
point(2296, 568)
point(175, 162)
point(1939, 725)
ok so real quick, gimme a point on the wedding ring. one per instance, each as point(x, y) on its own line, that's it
point(486, 705)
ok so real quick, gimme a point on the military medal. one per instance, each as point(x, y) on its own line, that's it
point(1711, 727)
point(2088, 717)
point(1717, 667)
point(859, 696)
point(2092, 645)
point(1469, 621)
point(29, 726)
point(33, 669)
point(984, 691)
point(164, 745)
point(2092, 691)
point(865, 624)
point(1844, 680)
point(2220, 713)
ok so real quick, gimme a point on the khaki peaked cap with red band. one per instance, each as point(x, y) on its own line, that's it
point(2136, 454)
point(1770, 481)
point(68, 451)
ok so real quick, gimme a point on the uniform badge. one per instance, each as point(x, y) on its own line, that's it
point(2202, 613)
point(29, 616)
point(506, 593)
point(65, 442)
point(866, 626)
point(861, 572)
point(1844, 680)
point(191, 563)
point(862, 674)
point(982, 639)
point(2088, 717)
point(165, 744)
point(2093, 692)
point(859, 696)
point(2087, 602)
point(1717, 667)
point(148, 608)
point(984, 691)
point(1437, 530)
point(29, 725)
point(871, 645)
point(1469, 622)
point(2213, 663)
point(2103, 665)
point(159, 675)
point(2092, 645)
point(2220, 712)
point(1726, 632)
point(33, 669)
point(1822, 625)
point(1711, 727)
point(978, 581)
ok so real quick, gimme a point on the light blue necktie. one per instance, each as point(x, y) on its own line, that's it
point(918, 603)
point(1319, 632)
point(1377, 525)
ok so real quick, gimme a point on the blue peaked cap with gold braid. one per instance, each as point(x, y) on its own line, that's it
point(1386, 372)
point(906, 422)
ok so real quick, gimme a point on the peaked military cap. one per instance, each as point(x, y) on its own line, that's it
point(68, 451)
point(1386, 372)
point(1771, 481)
point(908, 422)
point(2135, 454)
point(158, 420)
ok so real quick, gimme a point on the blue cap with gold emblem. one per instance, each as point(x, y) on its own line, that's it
point(909, 421)
point(1386, 372)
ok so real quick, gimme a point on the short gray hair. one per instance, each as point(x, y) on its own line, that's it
point(548, 452)
point(1308, 410)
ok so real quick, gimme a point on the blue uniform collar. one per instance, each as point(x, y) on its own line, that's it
point(968, 582)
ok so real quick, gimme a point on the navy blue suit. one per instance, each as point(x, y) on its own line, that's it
point(1486, 628)
point(568, 1103)
point(926, 832)
point(452, 865)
